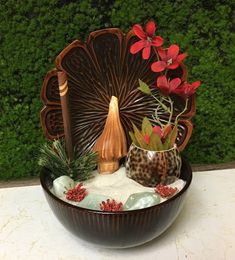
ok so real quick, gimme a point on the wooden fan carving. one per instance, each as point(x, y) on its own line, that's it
point(89, 75)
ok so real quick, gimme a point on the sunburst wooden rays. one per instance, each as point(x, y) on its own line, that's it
point(96, 70)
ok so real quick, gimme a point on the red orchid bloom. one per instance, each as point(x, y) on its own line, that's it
point(170, 59)
point(162, 132)
point(147, 39)
point(186, 90)
point(167, 87)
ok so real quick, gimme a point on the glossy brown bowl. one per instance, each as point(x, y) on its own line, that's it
point(122, 229)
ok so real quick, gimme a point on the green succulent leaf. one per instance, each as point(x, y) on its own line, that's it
point(167, 142)
point(146, 127)
point(133, 138)
point(139, 137)
point(155, 143)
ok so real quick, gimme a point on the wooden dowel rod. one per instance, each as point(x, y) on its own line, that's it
point(63, 89)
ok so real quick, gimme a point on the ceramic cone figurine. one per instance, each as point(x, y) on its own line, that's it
point(111, 144)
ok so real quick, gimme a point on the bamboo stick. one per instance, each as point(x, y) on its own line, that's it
point(63, 89)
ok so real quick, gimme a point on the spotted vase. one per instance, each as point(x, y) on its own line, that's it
point(150, 168)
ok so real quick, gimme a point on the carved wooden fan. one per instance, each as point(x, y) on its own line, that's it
point(89, 74)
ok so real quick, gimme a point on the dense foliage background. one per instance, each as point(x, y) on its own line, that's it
point(32, 33)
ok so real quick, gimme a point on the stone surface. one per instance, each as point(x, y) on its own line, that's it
point(92, 201)
point(141, 200)
point(62, 184)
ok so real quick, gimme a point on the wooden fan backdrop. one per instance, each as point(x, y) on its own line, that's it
point(89, 74)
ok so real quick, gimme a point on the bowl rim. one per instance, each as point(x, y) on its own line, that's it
point(125, 212)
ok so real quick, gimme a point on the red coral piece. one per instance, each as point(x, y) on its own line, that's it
point(111, 205)
point(165, 191)
point(76, 194)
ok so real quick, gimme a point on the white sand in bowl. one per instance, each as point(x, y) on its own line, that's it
point(119, 187)
point(116, 186)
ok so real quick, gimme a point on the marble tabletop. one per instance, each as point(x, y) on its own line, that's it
point(205, 229)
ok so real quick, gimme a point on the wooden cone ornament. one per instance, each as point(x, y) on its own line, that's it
point(111, 145)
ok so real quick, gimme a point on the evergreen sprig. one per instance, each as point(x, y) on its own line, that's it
point(53, 156)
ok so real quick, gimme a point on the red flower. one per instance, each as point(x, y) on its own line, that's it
point(147, 39)
point(76, 194)
point(167, 87)
point(162, 132)
point(165, 191)
point(169, 59)
point(111, 205)
point(146, 138)
point(186, 90)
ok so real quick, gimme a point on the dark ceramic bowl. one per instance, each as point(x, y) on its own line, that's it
point(122, 229)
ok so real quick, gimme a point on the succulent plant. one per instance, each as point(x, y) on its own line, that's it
point(154, 138)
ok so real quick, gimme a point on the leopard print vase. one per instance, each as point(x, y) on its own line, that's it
point(150, 168)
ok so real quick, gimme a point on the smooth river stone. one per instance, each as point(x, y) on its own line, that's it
point(92, 201)
point(62, 184)
point(141, 200)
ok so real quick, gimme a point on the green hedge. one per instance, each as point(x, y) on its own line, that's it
point(32, 33)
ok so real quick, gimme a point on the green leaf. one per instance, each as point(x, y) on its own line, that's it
point(167, 142)
point(133, 138)
point(143, 87)
point(146, 127)
point(139, 137)
point(155, 143)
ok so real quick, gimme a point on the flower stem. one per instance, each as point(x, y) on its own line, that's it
point(155, 50)
point(163, 105)
point(185, 108)
point(166, 99)
point(156, 117)
point(171, 109)
point(165, 72)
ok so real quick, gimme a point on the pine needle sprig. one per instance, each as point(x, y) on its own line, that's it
point(53, 156)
